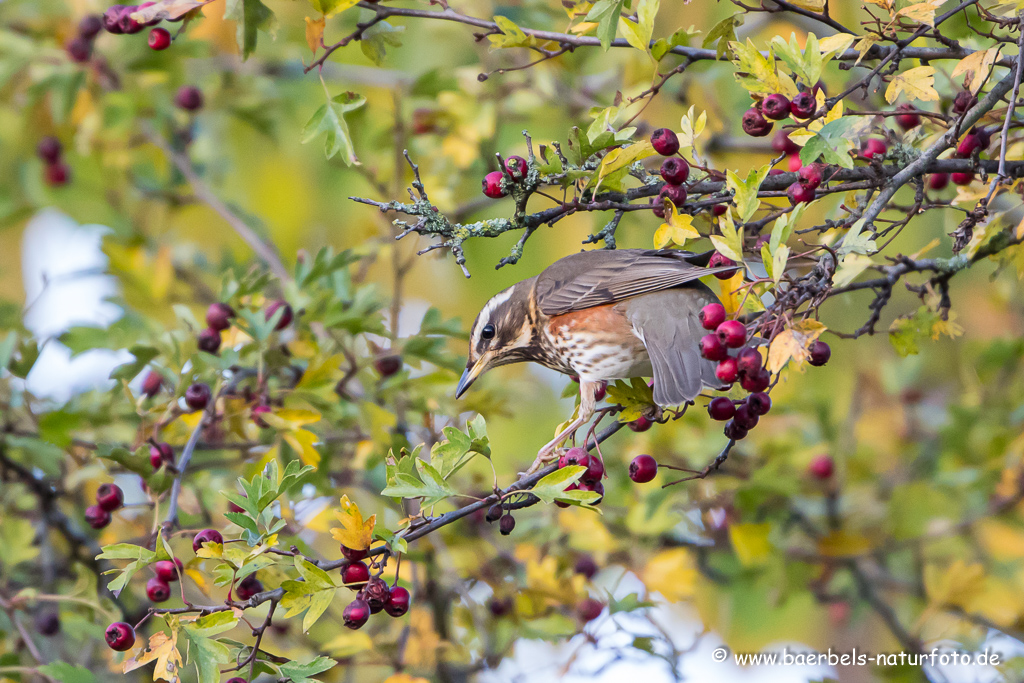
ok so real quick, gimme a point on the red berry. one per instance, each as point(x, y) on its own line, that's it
point(90, 25)
point(112, 19)
point(641, 424)
point(719, 209)
point(151, 385)
point(492, 185)
point(589, 609)
point(49, 149)
point(717, 260)
point(126, 23)
point(756, 125)
point(984, 138)
point(189, 98)
point(353, 555)
point(388, 365)
point(586, 566)
point(758, 381)
point(872, 147)
point(157, 590)
point(749, 361)
point(711, 316)
point(674, 193)
point(734, 431)
point(57, 174)
point(256, 414)
point(499, 607)
point(781, 143)
point(775, 106)
point(803, 105)
point(799, 193)
point(376, 594)
point(356, 614)
point(574, 456)
point(732, 333)
point(658, 206)
point(286, 316)
point(665, 142)
point(963, 101)
point(595, 470)
point(744, 418)
point(109, 497)
point(570, 487)
point(595, 486)
point(675, 170)
point(727, 370)
point(820, 353)
point(166, 570)
point(721, 409)
point(759, 403)
point(236, 679)
point(793, 163)
point(208, 340)
point(219, 315)
point(355, 575)
point(962, 178)
point(601, 391)
point(398, 601)
point(96, 517)
point(516, 167)
point(197, 396)
point(643, 469)
point(47, 623)
point(776, 171)
point(79, 49)
point(206, 536)
point(161, 453)
point(909, 119)
point(822, 467)
point(159, 39)
point(811, 176)
point(248, 587)
point(712, 348)
point(120, 636)
point(495, 512)
point(506, 524)
point(968, 145)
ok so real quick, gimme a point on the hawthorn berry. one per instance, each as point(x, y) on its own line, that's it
point(126, 23)
point(159, 39)
point(356, 614)
point(727, 370)
point(398, 601)
point(112, 19)
point(109, 497)
point(799, 193)
point(721, 409)
point(643, 469)
point(665, 142)
point(189, 98)
point(57, 174)
point(157, 590)
point(744, 418)
point(960, 178)
point(984, 138)
point(586, 566)
point(909, 118)
point(759, 403)
point(595, 486)
point(820, 353)
point(734, 431)
point(718, 260)
point(711, 316)
point(675, 170)
point(803, 105)
point(218, 316)
point(152, 383)
point(793, 163)
point(47, 623)
point(248, 587)
point(90, 25)
point(963, 101)
point(732, 333)
point(387, 366)
point(872, 147)
point(782, 144)
point(236, 679)
point(822, 467)
point(491, 185)
point(712, 348)
point(674, 193)
point(79, 49)
point(570, 487)
point(719, 209)
point(197, 396)
point(355, 575)
point(160, 453)
point(811, 176)
point(499, 607)
point(49, 149)
point(595, 470)
point(757, 381)
point(641, 424)
point(257, 413)
point(516, 167)
point(506, 524)
point(754, 124)
point(286, 315)
point(206, 536)
point(574, 456)
point(96, 517)
point(601, 391)
point(775, 106)
point(494, 513)
point(589, 609)
point(208, 340)
point(167, 570)
point(658, 206)
point(119, 636)
point(749, 361)
point(968, 145)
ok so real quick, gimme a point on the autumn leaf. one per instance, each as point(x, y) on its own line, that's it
point(955, 585)
point(975, 67)
point(923, 12)
point(750, 541)
point(917, 84)
point(677, 229)
point(315, 33)
point(793, 344)
point(166, 9)
point(355, 532)
point(162, 649)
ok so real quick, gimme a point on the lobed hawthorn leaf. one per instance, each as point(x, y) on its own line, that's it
point(301, 673)
point(204, 652)
point(917, 84)
point(67, 673)
point(510, 36)
point(162, 649)
point(681, 37)
point(355, 532)
point(730, 242)
point(553, 486)
point(723, 34)
point(606, 14)
point(377, 38)
point(329, 120)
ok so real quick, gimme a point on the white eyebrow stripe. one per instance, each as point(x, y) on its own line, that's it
point(485, 315)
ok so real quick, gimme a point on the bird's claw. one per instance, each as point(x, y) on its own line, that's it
point(545, 456)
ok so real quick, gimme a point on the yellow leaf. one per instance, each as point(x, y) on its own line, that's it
point(302, 441)
point(162, 649)
point(923, 12)
point(956, 585)
point(676, 230)
point(347, 644)
point(793, 343)
point(865, 44)
point(837, 43)
point(690, 128)
point(404, 677)
point(800, 137)
point(750, 541)
point(887, 5)
point(671, 573)
point(291, 418)
point(975, 67)
point(624, 156)
point(732, 295)
point(315, 33)
point(812, 5)
point(843, 544)
point(355, 532)
point(917, 84)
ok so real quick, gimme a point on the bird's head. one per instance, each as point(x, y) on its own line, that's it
point(502, 333)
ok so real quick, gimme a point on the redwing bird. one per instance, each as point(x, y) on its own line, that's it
point(602, 315)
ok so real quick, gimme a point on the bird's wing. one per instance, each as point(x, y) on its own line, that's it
point(668, 322)
point(595, 278)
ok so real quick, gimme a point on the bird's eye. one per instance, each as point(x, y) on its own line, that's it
point(487, 332)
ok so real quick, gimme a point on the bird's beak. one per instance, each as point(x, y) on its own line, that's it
point(470, 374)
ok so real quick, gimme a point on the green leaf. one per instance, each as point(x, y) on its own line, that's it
point(510, 36)
point(317, 579)
point(553, 486)
point(730, 242)
point(638, 33)
point(208, 654)
point(606, 14)
point(662, 46)
point(126, 551)
point(745, 191)
point(300, 673)
point(67, 673)
point(330, 120)
point(723, 34)
point(377, 38)
point(251, 16)
point(834, 141)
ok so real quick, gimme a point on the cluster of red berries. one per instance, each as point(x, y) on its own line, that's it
point(118, 20)
point(109, 498)
point(758, 121)
point(158, 588)
point(591, 479)
point(674, 171)
point(373, 593)
point(79, 48)
point(516, 168)
point(57, 172)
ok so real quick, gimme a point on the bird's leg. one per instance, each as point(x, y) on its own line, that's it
point(588, 402)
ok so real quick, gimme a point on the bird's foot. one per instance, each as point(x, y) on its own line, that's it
point(546, 455)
